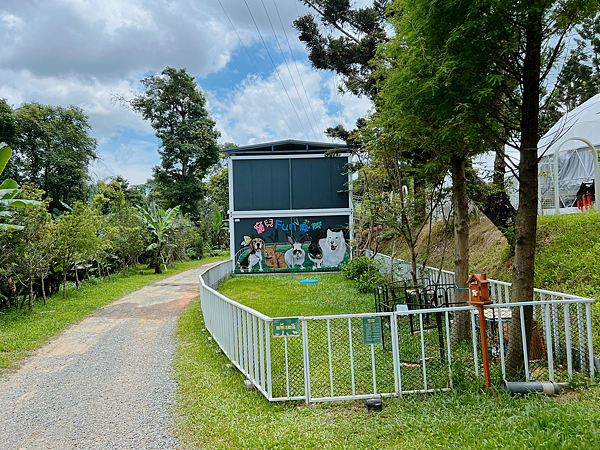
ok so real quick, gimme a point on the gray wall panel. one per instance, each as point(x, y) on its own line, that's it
point(316, 183)
point(261, 184)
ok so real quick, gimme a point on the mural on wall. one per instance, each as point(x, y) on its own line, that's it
point(291, 245)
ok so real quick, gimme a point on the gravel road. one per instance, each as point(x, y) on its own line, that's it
point(103, 383)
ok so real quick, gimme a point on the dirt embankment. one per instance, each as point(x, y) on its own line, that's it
point(489, 251)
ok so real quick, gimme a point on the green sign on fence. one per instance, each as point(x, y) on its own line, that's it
point(371, 327)
point(286, 327)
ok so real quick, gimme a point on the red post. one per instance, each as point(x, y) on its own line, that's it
point(480, 296)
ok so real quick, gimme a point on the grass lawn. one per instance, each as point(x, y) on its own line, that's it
point(21, 332)
point(284, 295)
point(214, 411)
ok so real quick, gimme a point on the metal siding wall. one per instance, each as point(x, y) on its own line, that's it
point(261, 185)
point(316, 183)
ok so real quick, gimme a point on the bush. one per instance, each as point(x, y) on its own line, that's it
point(358, 269)
point(354, 268)
point(196, 249)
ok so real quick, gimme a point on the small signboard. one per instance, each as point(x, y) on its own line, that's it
point(371, 327)
point(286, 327)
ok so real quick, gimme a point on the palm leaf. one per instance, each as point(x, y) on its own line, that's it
point(5, 154)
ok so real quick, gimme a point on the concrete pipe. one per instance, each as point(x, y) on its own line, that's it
point(525, 387)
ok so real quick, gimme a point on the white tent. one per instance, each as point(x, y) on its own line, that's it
point(569, 158)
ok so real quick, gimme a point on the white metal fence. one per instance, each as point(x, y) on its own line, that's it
point(331, 360)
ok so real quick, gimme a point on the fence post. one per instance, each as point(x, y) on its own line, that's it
point(306, 360)
point(395, 352)
point(351, 355)
point(548, 330)
point(524, 341)
point(590, 339)
point(569, 344)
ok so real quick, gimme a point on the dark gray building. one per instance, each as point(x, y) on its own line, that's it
point(290, 206)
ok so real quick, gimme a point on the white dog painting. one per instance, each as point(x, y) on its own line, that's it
point(334, 248)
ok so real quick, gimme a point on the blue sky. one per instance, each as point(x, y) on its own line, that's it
point(82, 52)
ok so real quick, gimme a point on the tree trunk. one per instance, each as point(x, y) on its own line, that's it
point(496, 205)
point(460, 330)
point(12, 292)
point(43, 291)
point(526, 224)
point(64, 283)
point(76, 278)
point(31, 294)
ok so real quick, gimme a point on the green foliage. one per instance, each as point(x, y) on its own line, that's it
point(159, 222)
point(175, 107)
point(128, 234)
point(5, 154)
point(195, 248)
point(365, 271)
point(53, 149)
point(78, 237)
point(355, 267)
point(10, 194)
point(350, 53)
point(112, 192)
point(35, 243)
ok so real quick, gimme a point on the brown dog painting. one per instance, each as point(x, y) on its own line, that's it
point(275, 260)
point(257, 245)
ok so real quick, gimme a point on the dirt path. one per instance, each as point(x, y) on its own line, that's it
point(104, 383)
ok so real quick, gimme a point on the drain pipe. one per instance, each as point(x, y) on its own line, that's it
point(526, 387)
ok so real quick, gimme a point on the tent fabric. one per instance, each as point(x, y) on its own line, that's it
point(581, 122)
point(575, 161)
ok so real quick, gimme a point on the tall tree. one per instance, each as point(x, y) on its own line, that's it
point(350, 52)
point(77, 238)
point(175, 106)
point(53, 150)
point(579, 78)
point(506, 49)
point(425, 80)
point(35, 245)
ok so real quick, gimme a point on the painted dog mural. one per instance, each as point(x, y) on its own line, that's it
point(288, 245)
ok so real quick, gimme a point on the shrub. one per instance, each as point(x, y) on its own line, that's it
point(366, 272)
point(354, 268)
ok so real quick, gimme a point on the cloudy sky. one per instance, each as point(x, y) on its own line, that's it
point(244, 54)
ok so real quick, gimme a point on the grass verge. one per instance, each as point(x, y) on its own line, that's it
point(214, 411)
point(22, 331)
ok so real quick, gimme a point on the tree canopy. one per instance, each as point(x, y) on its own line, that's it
point(52, 150)
point(175, 106)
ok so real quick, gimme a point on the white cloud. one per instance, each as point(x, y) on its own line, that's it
point(80, 52)
point(260, 110)
point(112, 39)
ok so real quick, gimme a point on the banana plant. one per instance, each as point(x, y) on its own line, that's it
point(9, 191)
point(159, 222)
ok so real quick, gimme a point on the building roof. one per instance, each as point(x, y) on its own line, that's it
point(290, 146)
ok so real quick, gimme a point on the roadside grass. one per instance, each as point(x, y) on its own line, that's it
point(22, 332)
point(214, 410)
point(284, 295)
